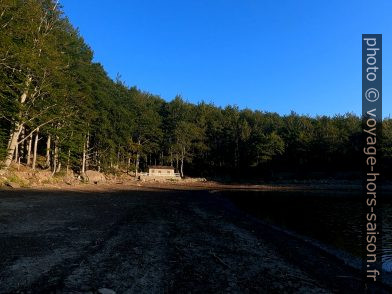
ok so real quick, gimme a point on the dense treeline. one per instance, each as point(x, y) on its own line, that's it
point(59, 110)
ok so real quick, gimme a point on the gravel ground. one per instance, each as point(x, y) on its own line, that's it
point(151, 241)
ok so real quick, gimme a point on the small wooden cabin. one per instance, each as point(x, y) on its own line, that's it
point(161, 171)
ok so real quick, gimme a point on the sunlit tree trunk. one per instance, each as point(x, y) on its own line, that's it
point(29, 146)
point(54, 162)
point(12, 144)
point(20, 151)
point(84, 158)
point(16, 158)
point(14, 137)
point(87, 150)
point(68, 160)
point(48, 143)
point(35, 149)
point(182, 162)
point(57, 157)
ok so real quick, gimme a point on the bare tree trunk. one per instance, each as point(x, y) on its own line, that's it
point(35, 149)
point(48, 143)
point(29, 146)
point(68, 160)
point(57, 163)
point(87, 149)
point(182, 161)
point(17, 149)
point(84, 158)
point(12, 143)
point(14, 137)
point(57, 151)
point(21, 147)
point(54, 161)
point(16, 158)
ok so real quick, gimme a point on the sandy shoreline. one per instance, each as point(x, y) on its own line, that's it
point(207, 186)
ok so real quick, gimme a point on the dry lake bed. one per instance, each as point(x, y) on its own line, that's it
point(146, 240)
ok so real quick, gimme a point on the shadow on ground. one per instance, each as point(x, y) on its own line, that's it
point(150, 242)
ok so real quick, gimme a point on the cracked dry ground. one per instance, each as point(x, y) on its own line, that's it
point(155, 241)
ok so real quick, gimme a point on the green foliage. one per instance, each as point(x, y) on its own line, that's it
point(113, 126)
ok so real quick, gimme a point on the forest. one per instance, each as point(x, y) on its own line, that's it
point(60, 110)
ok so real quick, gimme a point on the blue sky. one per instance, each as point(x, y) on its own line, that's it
point(272, 55)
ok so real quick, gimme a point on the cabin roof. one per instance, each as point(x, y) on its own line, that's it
point(161, 167)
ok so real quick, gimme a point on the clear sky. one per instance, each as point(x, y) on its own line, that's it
point(271, 55)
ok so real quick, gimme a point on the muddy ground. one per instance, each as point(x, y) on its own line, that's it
point(152, 240)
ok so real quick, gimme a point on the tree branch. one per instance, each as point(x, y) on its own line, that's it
point(41, 125)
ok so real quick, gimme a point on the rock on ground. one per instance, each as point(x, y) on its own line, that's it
point(12, 185)
point(95, 177)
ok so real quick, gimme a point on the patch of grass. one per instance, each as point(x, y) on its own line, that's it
point(61, 174)
point(13, 178)
point(47, 181)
